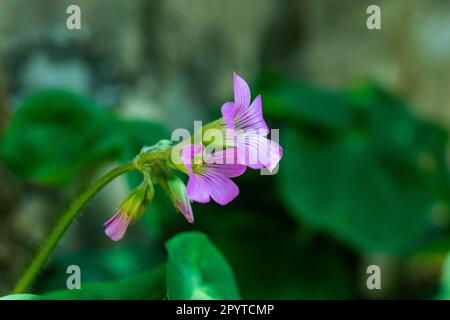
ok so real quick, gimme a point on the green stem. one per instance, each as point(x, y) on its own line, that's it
point(63, 224)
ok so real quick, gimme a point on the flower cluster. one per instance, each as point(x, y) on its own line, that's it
point(210, 165)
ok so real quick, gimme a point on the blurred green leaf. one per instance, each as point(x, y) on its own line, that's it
point(271, 258)
point(144, 286)
point(299, 103)
point(197, 270)
point(103, 265)
point(140, 133)
point(444, 292)
point(395, 131)
point(54, 133)
point(373, 185)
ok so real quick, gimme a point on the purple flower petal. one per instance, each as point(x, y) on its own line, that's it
point(188, 153)
point(241, 93)
point(256, 151)
point(229, 113)
point(116, 227)
point(252, 118)
point(202, 187)
point(224, 162)
point(211, 179)
point(242, 115)
point(196, 190)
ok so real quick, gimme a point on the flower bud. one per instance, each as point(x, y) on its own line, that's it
point(131, 210)
point(176, 190)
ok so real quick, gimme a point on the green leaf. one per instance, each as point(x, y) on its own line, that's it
point(300, 103)
point(148, 285)
point(444, 292)
point(103, 265)
point(273, 259)
point(197, 270)
point(140, 133)
point(375, 184)
point(54, 133)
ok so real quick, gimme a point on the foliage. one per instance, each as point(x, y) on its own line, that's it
point(444, 293)
point(195, 270)
point(359, 174)
point(359, 165)
point(51, 146)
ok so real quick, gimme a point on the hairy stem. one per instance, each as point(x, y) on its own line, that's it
point(63, 224)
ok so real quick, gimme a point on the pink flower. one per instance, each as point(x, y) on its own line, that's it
point(131, 209)
point(176, 190)
point(116, 227)
point(250, 129)
point(209, 175)
point(183, 205)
